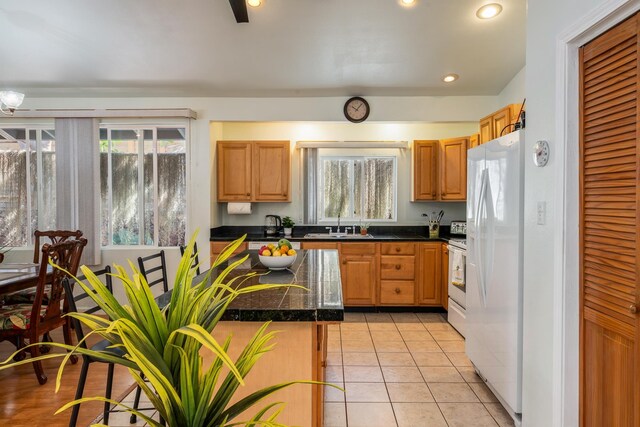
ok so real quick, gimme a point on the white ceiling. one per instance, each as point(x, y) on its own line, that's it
point(289, 48)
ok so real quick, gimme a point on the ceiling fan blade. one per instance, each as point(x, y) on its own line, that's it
point(239, 8)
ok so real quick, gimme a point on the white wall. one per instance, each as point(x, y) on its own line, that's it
point(408, 212)
point(546, 19)
point(514, 91)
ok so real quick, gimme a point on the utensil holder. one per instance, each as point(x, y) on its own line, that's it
point(434, 229)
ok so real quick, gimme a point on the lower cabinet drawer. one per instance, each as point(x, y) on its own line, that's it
point(398, 292)
point(397, 267)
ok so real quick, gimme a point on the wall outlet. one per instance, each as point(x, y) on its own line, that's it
point(542, 213)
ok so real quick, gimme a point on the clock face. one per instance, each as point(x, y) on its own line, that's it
point(541, 153)
point(356, 109)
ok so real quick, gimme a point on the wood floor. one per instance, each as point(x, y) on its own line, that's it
point(23, 402)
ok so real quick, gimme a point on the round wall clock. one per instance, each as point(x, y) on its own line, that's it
point(356, 109)
point(541, 153)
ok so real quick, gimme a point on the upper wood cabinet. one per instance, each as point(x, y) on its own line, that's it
point(425, 158)
point(474, 140)
point(234, 171)
point(494, 124)
point(440, 169)
point(453, 169)
point(271, 171)
point(254, 171)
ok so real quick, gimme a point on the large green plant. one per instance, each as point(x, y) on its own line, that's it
point(164, 345)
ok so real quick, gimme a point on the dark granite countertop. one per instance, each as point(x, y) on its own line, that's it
point(380, 234)
point(316, 270)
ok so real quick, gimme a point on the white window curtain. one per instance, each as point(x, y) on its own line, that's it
point(78, 181)
point(310, 184)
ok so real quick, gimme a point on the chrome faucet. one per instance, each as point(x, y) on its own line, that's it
point(337, 232)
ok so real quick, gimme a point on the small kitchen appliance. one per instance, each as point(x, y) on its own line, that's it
point(272, 225)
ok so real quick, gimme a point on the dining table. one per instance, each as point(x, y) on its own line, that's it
point(18, 276)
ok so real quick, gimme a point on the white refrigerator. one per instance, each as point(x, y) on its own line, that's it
point(495, 201)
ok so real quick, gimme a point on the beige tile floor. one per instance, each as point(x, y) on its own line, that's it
point(399, 369)
point(404, 370)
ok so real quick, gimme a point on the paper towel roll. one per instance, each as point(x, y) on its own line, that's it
point(239, 208)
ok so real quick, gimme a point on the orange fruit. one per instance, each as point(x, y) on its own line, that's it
point(284, 248)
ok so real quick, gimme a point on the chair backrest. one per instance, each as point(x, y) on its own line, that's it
point(67, 256)
point(196, 263)
point(54, 236)
point(90, 305)
point(154, 270)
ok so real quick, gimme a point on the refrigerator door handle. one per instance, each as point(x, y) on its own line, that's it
point(477, 241)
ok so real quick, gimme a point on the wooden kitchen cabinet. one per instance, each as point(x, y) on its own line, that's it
point(359, 271)
point(428, 285)
point(254, 171)
point(358, 279)
point(271, 171)
point(500, 120)
point(216, 249)
point(425, 159)
point(453, 169)
point(397, 273)
point(440, 169)
point(492, 125)
point(444, 272)
point(474, 140)
point(234, 171)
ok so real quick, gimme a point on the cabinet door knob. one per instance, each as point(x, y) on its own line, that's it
point(248, 194)
point(633, 309)
point(397, 249)
point(398, 266)
point(344, 262)
point(443, 193)
point(397, 290)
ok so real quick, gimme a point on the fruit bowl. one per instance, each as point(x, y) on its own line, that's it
point(277, 263)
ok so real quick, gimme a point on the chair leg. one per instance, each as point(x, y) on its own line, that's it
point(18, 341)
point(79, 391)
point(44, 349)
point(37, 365)
point(68, 340)
point(107, 394)
point(136, 401)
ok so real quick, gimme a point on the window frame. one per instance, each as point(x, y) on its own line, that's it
point(38, 128)
point(352, 219)
point(142, 126)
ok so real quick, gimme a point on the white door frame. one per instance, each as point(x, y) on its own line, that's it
point(566, 269)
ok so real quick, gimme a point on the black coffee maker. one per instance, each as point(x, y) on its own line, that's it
point(272, 225)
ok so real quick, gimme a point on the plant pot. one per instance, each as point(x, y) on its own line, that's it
point(363, 231)
point(288, 231)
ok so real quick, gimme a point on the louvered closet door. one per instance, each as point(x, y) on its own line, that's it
point(609, 356)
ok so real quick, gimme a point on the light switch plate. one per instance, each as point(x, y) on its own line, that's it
point(542, 213)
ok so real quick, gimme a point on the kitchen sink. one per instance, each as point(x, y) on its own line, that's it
point(337, 236)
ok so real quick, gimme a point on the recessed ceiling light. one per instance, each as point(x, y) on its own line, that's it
point(489, 11)
point(407, 3)
point(254, 3)
point(450, 78)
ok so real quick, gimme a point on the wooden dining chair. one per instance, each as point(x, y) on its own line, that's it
point(22, 322)
point(194, 257)
point(90, 307)
point(54, 236)
point(154, 270)
point(27, 296)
